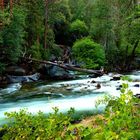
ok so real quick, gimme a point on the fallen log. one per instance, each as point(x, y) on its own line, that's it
point(68, 67)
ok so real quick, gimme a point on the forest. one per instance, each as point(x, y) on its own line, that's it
point(93, 33)
point(79, 35)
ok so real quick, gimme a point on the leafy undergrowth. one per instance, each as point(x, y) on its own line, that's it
point(121, 121)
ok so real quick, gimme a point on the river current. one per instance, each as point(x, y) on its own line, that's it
point(80, 94)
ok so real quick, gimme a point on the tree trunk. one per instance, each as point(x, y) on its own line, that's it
point(2, 4)
point(46, 24)
point(68, 67)
point(47, 2)
point(11, 6)
point(132, 56)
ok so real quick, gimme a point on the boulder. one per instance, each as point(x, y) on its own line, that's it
point(15, 70)
point(55, 72)
point(59, 73)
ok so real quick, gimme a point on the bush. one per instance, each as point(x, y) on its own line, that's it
point(88, 53)
point(26, 126)
point(121, 117)
point(77, 30)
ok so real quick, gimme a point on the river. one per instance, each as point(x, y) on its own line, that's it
point(80, 94)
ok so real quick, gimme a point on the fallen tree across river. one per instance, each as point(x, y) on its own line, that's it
point(68, 66)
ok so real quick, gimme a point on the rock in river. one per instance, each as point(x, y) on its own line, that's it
point(55, 72)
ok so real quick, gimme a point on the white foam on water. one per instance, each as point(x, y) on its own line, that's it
point(82, 103)
point(11, 88)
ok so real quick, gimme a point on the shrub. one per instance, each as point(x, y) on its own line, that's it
point(27, 126)
point(88, 53)
point(121, 117)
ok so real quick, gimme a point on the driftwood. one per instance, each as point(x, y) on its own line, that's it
point(68, 66)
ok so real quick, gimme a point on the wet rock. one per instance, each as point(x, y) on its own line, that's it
point(69, 88)
point(110, 74)
point(116, 77)
point(93, 81)
point(136, 85)
point(118, 88)
point(55, 72)
point(98, 86)
point(94, 75)
point(137, 95)
point(15, 70)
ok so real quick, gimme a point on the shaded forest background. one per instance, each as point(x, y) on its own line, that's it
point(93, 33)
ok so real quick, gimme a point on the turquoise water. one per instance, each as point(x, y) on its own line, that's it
point(44, 96)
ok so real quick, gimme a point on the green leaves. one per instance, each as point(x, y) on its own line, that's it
point(12, 36)
point(27, 126)
point(88, 53)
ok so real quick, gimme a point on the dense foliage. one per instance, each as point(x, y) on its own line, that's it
point(88, 53)
point(119, 122)
point(99, 33)
point(77, 30)
point(37, 26)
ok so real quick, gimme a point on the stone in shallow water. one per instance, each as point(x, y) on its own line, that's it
point(137, 95)
point(69, 88)
point(136, 85)
point(116, 77)
point(98, 86)
point(93, 81)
